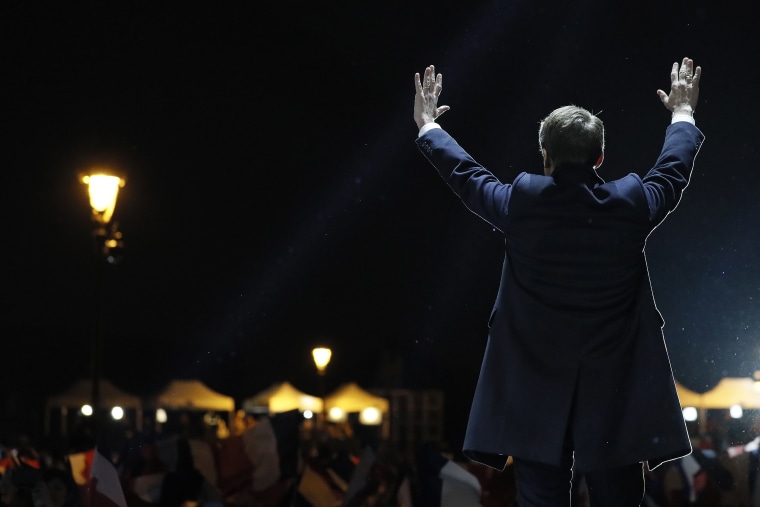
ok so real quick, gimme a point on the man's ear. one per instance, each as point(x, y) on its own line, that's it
point(548, 164)
point(547, 160)
point(599, 161)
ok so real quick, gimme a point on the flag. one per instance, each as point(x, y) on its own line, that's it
point(103, 488)
point(380, 478)
point(15, 460)
point(345, 480)
point(204, 459)
point(260, 445)
point(148, 487)
point(81, 466)
point(359, 477)
point(234, 468)
point(443, 483)
point(254, 466)
point(261, 456)
point(317, 488)
point(404, 493)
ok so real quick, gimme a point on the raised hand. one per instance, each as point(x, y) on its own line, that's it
point(426, 108)
point(684, 88)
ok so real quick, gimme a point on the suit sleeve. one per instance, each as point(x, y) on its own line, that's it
point(665, 182)
point(478, 189)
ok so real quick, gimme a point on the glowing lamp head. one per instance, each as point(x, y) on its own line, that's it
point(371, 416)
point(103, 189)
point(322, 357)
point(337, 414)
point(117, 413)
point(690, 414)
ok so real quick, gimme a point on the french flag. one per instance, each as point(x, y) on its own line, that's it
point(444, 483)
point(261, 457)
point(103, 488)
point(80, 464)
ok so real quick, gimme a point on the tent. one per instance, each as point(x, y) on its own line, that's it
point(731, 391)
point(688, 397)
point(80, 393)
point(282, 397)
point(352, 398)
point(191, 395)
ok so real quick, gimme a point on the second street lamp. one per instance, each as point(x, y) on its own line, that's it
point(103, 189)
point(322, 356)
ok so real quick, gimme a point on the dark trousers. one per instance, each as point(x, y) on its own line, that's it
point(542, 485)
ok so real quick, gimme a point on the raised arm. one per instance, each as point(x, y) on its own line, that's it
point(665, 182)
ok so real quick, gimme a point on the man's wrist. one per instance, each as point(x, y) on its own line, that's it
point(682, 116)
point(428, 126)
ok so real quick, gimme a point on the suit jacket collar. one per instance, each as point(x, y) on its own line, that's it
point(570, 173)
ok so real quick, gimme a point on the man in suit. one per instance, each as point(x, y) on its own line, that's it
point(575, 374)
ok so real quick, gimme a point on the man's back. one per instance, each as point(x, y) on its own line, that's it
point(575, 337)
point(576, 241)
point(575, 371)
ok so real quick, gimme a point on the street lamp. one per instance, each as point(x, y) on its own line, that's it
point(322, 356)
point(103, 189)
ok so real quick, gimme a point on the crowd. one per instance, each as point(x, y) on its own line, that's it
point(272, 462)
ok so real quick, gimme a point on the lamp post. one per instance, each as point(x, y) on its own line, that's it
point(103, 188)
point(322, 356)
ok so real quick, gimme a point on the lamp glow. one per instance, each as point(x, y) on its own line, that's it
point(117, 413)
point(161, 416)
point(736, 411)
point(370, 416)
point(86, 410)
point(337, 414)
point(690, 414)
point(103, 190)
point(308, 414)
point(322, 357)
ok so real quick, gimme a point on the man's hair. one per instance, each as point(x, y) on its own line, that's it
point(572, 134)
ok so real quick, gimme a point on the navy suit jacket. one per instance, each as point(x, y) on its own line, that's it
point(575, 351)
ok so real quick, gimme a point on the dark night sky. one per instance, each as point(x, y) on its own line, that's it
point(275, 200)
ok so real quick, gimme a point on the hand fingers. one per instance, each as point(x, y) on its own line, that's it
point(431, 82)
point(674, 73)
point(687, 70)
point(697, 76)
point(686, 67)
point(428, 72)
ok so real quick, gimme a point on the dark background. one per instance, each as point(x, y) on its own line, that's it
point(275, 199)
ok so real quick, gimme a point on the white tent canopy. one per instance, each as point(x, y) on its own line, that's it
point(282, 397)
point(81, 394)
point(733, 391)
point(352, 398)
point(191, 395)
point(688, 397)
